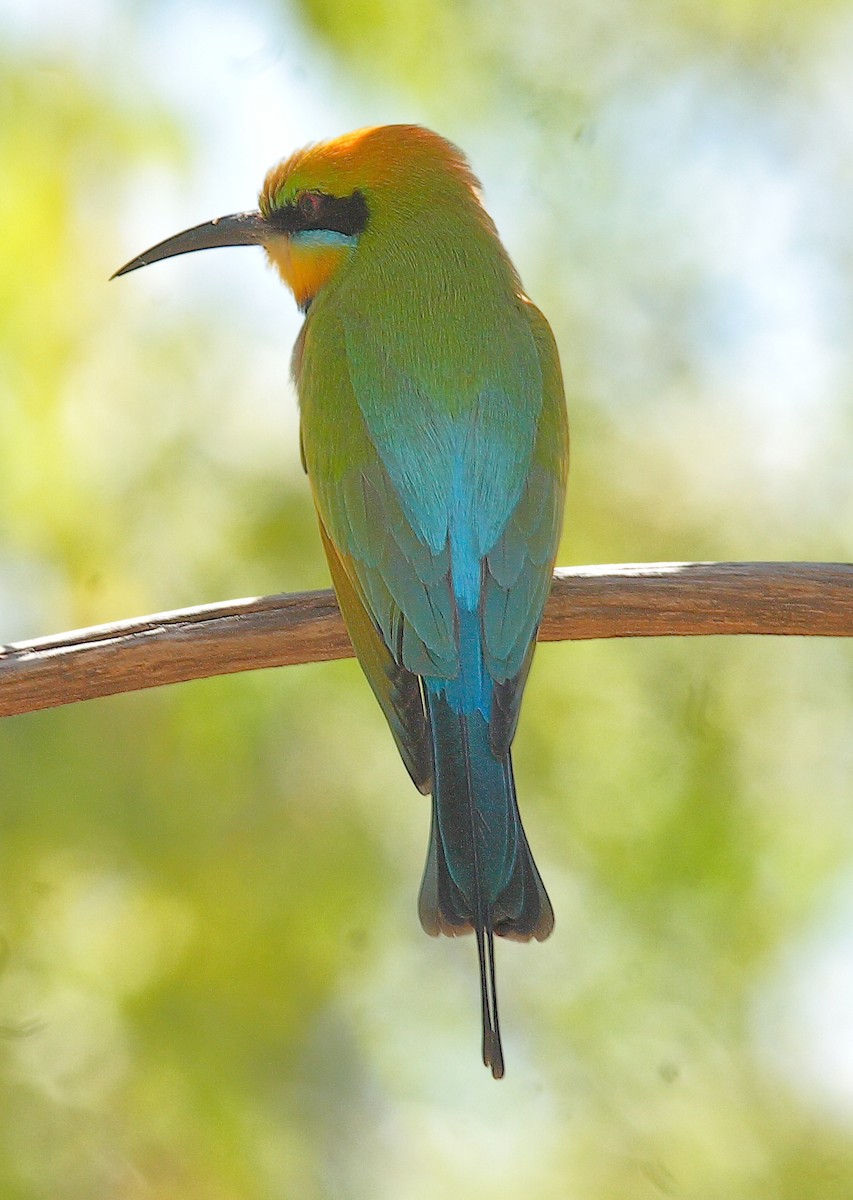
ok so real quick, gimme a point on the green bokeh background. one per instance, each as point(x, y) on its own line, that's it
point(213, 985)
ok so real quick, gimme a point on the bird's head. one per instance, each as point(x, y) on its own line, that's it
point(317, 206)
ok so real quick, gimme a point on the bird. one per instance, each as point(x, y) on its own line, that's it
point(434, 434)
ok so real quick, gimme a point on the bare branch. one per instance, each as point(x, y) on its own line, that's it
point(646, 600)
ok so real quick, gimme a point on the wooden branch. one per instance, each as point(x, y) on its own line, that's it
point(646, 600)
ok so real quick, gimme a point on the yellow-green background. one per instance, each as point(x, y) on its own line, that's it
point(214, 985)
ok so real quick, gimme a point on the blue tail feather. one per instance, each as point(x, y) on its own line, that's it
point(480, 874)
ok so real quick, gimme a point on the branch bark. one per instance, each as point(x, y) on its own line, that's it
point(645, 600)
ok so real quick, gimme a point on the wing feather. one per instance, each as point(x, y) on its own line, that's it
point(517, 578)
point(408, 484)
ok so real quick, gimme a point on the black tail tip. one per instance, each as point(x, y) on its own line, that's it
point(493, 1055)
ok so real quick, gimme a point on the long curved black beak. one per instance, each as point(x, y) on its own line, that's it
point(240, 229)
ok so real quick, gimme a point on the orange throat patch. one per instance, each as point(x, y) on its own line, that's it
point(306, 268)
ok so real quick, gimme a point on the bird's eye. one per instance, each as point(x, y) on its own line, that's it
point(309, 204)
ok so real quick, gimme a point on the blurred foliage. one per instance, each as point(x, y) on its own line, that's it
point(212, 980)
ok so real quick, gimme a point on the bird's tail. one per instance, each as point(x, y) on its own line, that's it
point(480, 875)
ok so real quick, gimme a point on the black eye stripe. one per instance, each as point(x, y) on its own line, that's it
point(338, 214)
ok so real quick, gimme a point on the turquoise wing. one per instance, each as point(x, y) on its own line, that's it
point(519, 567)
point(434, 501)
point(402, 579)
point(397, 690)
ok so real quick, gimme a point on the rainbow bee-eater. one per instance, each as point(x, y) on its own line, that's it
point(434, 435)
